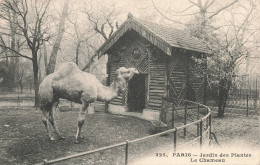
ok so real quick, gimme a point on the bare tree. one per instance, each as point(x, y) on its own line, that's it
point(30, 25)
point(23, 72)
point(104, 23)
point(80, 37)
point(11, 59)
point(227, 43)
point(52, 62)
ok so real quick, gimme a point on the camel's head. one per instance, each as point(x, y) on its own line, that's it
point(127, 74)
point(124, 75)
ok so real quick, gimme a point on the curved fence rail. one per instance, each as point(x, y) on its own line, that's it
point(202, 122)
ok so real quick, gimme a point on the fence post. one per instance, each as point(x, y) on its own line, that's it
point(255, 93)
point(185, 119)
point(198, 119)
point(173, 115)
point(207, 121)
point(201, 133)
point(45, 161)
point(175, 140)
point(209, 125)
point(126, 153)
point(247, 105)
point(18, 100)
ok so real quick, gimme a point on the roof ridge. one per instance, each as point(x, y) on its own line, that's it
point(166, 26)
point(163, 36)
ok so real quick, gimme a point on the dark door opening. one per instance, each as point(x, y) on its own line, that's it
point(136, 93)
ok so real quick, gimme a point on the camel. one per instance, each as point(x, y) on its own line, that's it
point(70, 83)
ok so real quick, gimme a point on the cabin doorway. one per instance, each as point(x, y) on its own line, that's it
point(136, 93)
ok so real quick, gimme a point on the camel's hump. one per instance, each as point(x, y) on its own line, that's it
point(67, 68)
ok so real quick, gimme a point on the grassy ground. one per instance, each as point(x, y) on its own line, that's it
point(23, 139)
point(235, 127)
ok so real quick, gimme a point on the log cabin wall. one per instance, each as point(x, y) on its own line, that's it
point(176, 76)
point(129, 47)
point(197, 81)
point(157, 78)
point(165, 62)
point(115, 63)
point(184, 78)
point(152, 63)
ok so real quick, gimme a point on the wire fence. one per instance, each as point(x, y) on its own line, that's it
point(191, 136)
point(17, 98)
point(187, 121)
point(239, 101)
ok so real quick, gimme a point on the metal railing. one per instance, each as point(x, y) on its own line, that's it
point(174, 130)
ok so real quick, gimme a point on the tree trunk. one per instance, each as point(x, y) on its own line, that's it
point(12, 66)
point(56, 46)
point(224, 87)
point(45, 58)
point(77, 53)
point(36, 80)
point(21, 87)
point(39, 66)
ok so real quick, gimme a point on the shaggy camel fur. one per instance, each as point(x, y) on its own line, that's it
point(70, 83)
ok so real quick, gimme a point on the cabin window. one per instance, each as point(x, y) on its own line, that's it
point(136, 54)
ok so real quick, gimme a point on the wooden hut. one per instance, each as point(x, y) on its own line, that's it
point(165, 59)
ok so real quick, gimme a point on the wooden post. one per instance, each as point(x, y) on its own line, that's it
point(255, 92)
point(201, 133)
point(205, 84)
point(185, 119)
point(173, 114)
point(106, 106)
point(126, 153)
point(209, 125)
point(175, 140)
point(207, 121)
point(198, 129)
point(45, 161)
point(256, 89)
point(18, 100)
point(108, 76)
point(247, 105)
point(240, 94)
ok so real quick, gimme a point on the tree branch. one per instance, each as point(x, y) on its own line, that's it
point(6, 47)
point(169, 19)
point(111, 28)
point(221, 9)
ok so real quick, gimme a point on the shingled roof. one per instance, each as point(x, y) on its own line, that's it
point(165, 38)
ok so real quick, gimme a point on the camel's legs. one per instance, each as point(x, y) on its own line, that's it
point(45, 122)
point(52, 121)
point(81, 119)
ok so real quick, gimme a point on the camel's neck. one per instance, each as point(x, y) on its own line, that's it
point(108, 93)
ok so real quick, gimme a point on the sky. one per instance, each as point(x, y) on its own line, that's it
point(144, 9)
